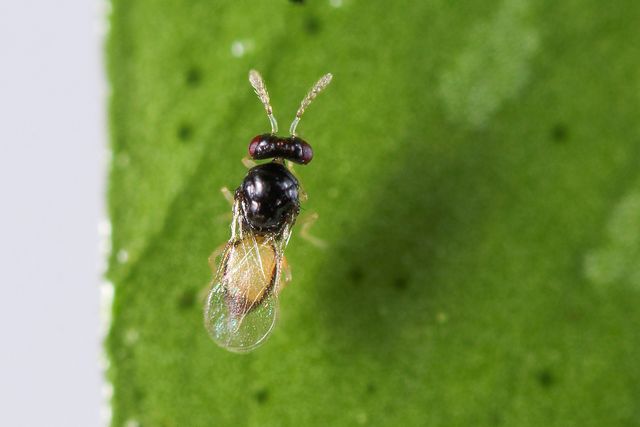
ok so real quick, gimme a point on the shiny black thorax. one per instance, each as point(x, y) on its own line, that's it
point(268, 198)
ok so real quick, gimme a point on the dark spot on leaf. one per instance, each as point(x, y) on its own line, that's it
point(546, 378)
point(193, 76)
point(371, 388)
point(185, 132)
point(312, 25)
point(297, 1)
point(574, 314)
point(356, 275)
point(187, 299)
point(401, 283)
point(559, 133)
point(261, 396)
point(495, 418)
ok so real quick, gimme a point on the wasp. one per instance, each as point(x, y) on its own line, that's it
point(242, 304)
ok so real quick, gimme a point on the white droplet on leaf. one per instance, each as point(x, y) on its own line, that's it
point(238, 49)
point(122, 256)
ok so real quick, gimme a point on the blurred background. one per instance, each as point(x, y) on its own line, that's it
point(475, 175)
point(52, 170)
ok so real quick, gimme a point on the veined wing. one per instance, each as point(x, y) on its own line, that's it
point(242, 305)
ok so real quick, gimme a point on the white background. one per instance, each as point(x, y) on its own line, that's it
point(52, 155)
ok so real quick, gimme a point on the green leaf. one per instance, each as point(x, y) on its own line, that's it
point(476, 178)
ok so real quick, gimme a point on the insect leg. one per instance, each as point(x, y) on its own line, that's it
point(301, 193)
point(307, 222)
point(285, 276)
point(248, 163)
point(216, 253)
point(290, 167)
point(286, 270)
point(227, 195)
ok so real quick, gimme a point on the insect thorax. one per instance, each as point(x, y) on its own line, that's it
point(268, 198)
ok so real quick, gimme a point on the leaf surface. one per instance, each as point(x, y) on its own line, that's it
point(476, 178)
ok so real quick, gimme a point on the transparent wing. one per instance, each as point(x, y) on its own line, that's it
point(242, 306)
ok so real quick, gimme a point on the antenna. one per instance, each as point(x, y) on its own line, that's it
point(315, 90)
point(261, 90)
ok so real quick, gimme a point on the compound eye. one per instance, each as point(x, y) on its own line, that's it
point(259, 143)
point(304, 152)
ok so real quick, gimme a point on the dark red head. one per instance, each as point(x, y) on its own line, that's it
point(292, 148)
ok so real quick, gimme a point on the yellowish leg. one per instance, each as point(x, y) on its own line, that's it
point(214, 256)
point(307, 222)
point(220, 249)
point(286, 270)
point(213, 264)
point(290, 167)
point(248, 163)
point(228, 195)
point(286, 275)
point(301, 193)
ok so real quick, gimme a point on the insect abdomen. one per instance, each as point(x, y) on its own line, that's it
point(249, 273)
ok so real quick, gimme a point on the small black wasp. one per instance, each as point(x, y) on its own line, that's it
point(242, 305)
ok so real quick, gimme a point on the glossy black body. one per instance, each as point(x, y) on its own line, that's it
point(269, 146)
point(269, 198)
